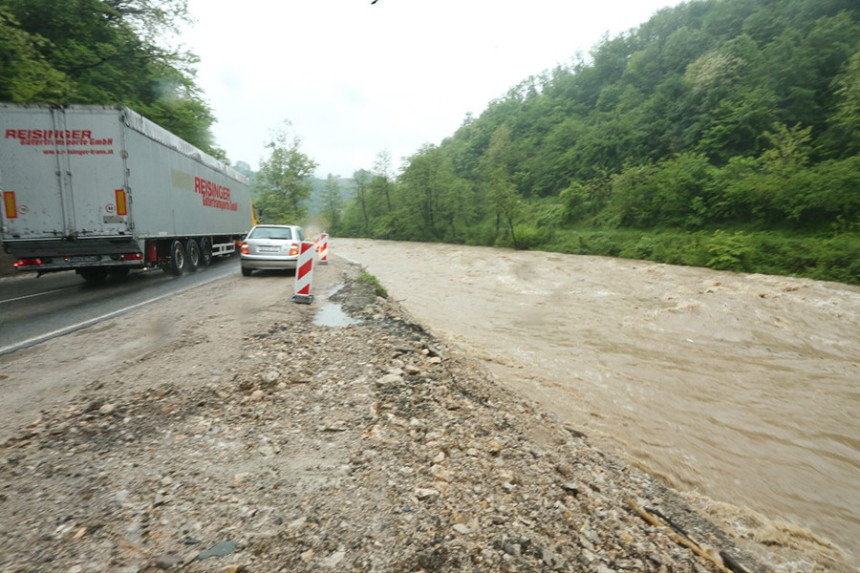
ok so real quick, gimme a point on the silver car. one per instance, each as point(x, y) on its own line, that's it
point(271, 247)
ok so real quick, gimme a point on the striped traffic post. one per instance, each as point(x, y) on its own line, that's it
point(304, 273)
point(324, 249)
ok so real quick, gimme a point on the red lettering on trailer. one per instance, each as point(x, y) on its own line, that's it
point(214, 195)
point(58, 134)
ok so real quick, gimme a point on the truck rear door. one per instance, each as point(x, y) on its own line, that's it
point(63, 173)
point(29, 168)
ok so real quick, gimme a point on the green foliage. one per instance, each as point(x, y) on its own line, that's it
point(103, 52)
point(834, 258)
point(729, 251)
point(722, 133)
point(333, 207)
point(374, 283)
point(283, 182)
point(25, 75)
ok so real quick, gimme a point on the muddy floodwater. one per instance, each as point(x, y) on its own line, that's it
point(741, 390)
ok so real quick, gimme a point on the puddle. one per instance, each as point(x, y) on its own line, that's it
point(332, 314)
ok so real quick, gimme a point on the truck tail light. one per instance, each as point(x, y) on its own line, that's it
point(27, 263)
point(132, 257)
point(244, 248)
point(10, 204)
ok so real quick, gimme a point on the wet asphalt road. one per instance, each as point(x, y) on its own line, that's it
point(36, 309)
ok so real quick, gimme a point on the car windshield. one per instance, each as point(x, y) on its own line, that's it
point(284, 233)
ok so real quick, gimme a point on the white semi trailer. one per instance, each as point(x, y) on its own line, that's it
point(101, 190)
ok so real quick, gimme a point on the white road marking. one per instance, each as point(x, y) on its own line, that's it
point(32, 295)
point(90, 322)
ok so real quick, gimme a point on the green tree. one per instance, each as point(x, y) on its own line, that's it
point(104, 52)
point(500, 191)
point(845, 121)
point(283, 180)
point(333, 203)
point(433, 196)
point(362, 179)
point(704, 134)
point(383, 171)
point(25, 75)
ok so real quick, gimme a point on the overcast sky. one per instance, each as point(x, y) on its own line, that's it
point(355, 78)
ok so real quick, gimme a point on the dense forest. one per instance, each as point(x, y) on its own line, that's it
point(720, 133)
point(104, 52)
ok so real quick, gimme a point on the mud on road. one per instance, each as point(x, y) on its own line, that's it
point(241, 435)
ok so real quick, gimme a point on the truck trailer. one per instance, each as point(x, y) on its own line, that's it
point(102, 190)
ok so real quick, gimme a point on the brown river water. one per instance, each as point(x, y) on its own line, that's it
point(742, 391)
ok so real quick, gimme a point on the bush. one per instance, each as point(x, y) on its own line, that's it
point(371, 280)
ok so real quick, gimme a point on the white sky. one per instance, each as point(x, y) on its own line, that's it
point(355, 78)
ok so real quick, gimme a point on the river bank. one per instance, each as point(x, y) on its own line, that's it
point(368, 447)
point(738, 390)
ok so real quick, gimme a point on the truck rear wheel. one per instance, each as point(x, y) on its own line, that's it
point(192, 252)
point(177, 258)
point(205, 252)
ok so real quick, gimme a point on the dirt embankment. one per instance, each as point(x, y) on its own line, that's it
point(368, 447)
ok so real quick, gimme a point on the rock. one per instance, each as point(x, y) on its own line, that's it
point(552, 560)
point(257, 395)
point(107, 409)
point(266, 450)
point(585, 557)
point(168, 561)
point(462, 528)
point(570, 487)
point(426, 493)
point(389, 379)
point(270, 377)
point(220, 549)
point(333, 560)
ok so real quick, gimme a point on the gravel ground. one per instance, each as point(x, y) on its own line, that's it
point(366, 447)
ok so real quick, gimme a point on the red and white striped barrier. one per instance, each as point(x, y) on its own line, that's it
point(304, 274)
point(323, 248)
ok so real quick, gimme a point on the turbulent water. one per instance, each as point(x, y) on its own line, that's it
point(741, 390)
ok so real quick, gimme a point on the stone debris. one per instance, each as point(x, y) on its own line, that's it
point(369, 447)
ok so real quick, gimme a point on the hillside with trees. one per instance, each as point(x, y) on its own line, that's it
point(720, 133)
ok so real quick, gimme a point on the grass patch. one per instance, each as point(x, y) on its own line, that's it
point(374, 283)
